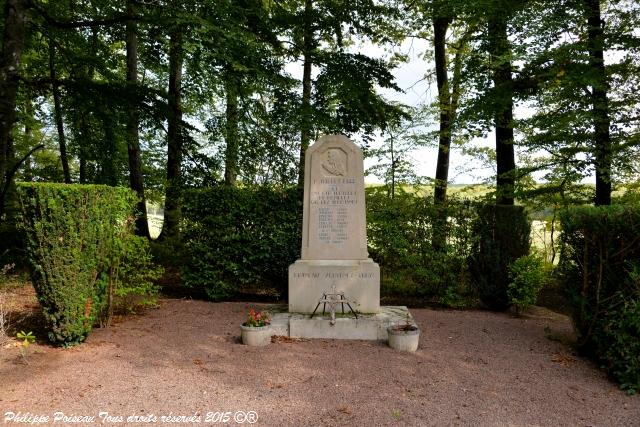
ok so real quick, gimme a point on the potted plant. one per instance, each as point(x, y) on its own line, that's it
point(404, 336)
point(256, 331)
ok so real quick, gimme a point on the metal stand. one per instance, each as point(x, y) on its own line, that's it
point(333, 298)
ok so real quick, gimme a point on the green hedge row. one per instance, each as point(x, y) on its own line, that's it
point(83, 254)
point(237, 238)
point(401, 235)
point(600, 266)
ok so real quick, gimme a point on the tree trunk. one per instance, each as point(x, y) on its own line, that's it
point(393, 166)
point(600, 104)
point(57, 112)
point(172, 200)
point(440, 26)
point(82, 156)
point(136, 179)
point(108, 170)
point(305, 123)
point(12, 45)
point(503, 114)
point(84, 125)
point(28, 169)
point(231, 133)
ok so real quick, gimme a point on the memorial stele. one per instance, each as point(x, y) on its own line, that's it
point(334, 241)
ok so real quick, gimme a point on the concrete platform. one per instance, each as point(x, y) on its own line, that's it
point(365, 327)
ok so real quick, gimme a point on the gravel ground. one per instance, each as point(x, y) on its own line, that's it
point(185, 359)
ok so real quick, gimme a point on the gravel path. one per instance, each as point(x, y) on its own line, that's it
point(184, 359)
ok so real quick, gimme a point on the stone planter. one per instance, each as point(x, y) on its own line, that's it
point(403, 337)
point(255, 336)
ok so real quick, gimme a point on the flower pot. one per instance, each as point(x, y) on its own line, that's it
point(403, 338)
point(255, 335)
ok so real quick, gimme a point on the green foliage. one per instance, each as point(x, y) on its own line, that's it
point(618, 339)
point(26, 338)
point(78, 237)
point(561, 135)
point(400, 232)
point(503, 236)
point(241, 238)
point(237, 238)
point(527, 276)
point(137, 274)
point(12, 238)
point(600, 266)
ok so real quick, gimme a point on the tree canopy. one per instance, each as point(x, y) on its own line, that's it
point(162, 95)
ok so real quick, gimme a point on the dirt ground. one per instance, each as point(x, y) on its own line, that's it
point(183, 361)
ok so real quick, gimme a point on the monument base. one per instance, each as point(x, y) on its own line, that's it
point(365, 327)
point(359, 280)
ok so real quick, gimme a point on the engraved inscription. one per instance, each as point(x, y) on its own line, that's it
point(333, 275)
point(325, 222)
point(332, 197)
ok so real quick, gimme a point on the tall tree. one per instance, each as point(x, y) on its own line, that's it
point(440, 27)
point(586, 108)
point(231, 129)
point(175, 145)
point(448, 60)
point(599, 102)
point(13, 39)
point(339, 85)
point(57, 112)
point(136, 178)
point(308, 46)
point(501, 69)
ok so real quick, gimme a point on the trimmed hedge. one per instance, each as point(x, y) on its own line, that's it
point(600, 265)
point(503, 235)
point(401, 235)
point(79, 239)
point(239, 238)
point(244, 239)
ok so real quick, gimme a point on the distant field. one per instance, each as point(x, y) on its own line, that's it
point(470, 191)
point(629, 191)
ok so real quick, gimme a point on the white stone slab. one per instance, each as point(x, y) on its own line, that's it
point(365, 327)
point(346, 329)
point(280, 324)
point(334, 205)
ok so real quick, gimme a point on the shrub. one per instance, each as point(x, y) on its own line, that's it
point(527, 279)
point(237, 238)
point(78, 238)
point(401, 234)
point(503, 235)
point(12, 238)
point(600, 268)
point(137, 275)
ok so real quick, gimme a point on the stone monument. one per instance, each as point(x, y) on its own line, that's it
point(334, 242)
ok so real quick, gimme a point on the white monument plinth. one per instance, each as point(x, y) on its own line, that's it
point(334, 242)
